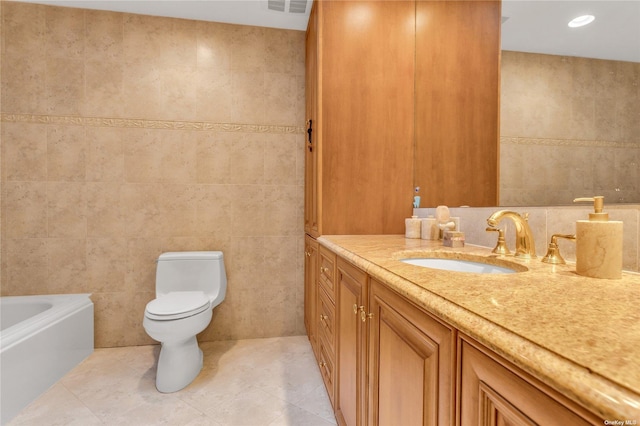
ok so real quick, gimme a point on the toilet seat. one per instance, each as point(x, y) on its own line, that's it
point(177, 305)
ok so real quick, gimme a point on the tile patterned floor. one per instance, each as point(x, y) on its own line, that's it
point(261, 382)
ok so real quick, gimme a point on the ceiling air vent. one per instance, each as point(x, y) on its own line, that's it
point(291, 6)
point(298, 6)
point(277, 5)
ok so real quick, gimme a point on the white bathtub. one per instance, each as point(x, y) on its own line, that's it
point(41, 339)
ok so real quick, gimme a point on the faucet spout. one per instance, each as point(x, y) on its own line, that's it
point(525, 245)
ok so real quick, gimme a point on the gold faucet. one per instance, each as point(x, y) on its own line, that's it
point(525, 246)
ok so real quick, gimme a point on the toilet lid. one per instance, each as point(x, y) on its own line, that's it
point(176, 305)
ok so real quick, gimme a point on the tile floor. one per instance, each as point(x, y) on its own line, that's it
point(270, 382)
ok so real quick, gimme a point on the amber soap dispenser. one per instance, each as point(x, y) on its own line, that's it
point(598, 243)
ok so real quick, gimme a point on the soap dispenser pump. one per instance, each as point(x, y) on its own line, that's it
point(598, 243)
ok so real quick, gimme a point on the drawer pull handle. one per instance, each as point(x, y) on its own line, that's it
point(323, 319)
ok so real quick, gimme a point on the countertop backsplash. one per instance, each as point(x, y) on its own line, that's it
point(546, 221)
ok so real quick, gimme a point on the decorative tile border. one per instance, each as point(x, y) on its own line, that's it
point(148, 124)
point(566, 142)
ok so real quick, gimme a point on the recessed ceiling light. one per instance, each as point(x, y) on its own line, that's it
point(581, 21)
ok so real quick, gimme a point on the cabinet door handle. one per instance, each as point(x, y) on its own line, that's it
point(364, 315)
point(309, 131)
point(307, 253)
point(323, 269)
point(355, 309)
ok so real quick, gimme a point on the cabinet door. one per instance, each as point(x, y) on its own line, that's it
point(457, 102)
point(411, 363)
point(311, 290)
point(492, 392)
point(366, 111)
point(351, 356)
point(312, 136)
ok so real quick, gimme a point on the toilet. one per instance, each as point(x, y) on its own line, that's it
point(188, 286)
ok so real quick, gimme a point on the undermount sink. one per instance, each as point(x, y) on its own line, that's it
point(459, 265)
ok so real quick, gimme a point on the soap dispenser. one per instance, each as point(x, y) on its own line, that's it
point(598, 243)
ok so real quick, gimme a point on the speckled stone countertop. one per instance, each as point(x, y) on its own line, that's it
point(579, 335)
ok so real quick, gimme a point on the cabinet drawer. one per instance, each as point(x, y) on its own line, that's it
point(327, 370)
point(327, 272)
point(327, 323)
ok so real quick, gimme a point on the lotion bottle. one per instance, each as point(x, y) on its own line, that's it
point(598, 243)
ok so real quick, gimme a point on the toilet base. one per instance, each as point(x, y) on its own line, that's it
point(179, 364)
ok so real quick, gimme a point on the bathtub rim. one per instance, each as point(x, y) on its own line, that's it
point(63, 305)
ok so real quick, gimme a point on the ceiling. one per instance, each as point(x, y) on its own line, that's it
point(538, 26)
point(541, 27)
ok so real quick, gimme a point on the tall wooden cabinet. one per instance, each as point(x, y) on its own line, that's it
point(360, 68)
point(456, 101)
point(399, 94)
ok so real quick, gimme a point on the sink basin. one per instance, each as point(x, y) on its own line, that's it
point(458, 265)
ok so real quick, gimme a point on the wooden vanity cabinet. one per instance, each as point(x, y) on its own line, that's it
point(394, 363)
point(493, 392)
point(411, 363)
point(351, 356)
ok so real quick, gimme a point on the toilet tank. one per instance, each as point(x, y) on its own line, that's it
point(192, 271)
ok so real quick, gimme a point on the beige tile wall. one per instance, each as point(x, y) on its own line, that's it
point(569, 127)
point(124, 136)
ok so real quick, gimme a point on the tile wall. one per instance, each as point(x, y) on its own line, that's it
point(125, 136)
point(569, 127)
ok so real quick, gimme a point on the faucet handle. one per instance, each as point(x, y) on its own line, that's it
point(553, 252)
point(501, 247)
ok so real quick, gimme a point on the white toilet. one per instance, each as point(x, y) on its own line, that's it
point(188, 286)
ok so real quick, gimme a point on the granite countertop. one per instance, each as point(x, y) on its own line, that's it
point(579, 335)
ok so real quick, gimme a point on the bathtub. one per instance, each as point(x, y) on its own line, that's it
point(41, 339)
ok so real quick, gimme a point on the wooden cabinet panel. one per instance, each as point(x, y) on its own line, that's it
point(411, 363)
point(367, 115)
point(326, 321)
point(492, 392)
point(311, 289)
point(351, 354)
point(326, 362)
point(313, 133)
point(456, 101)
